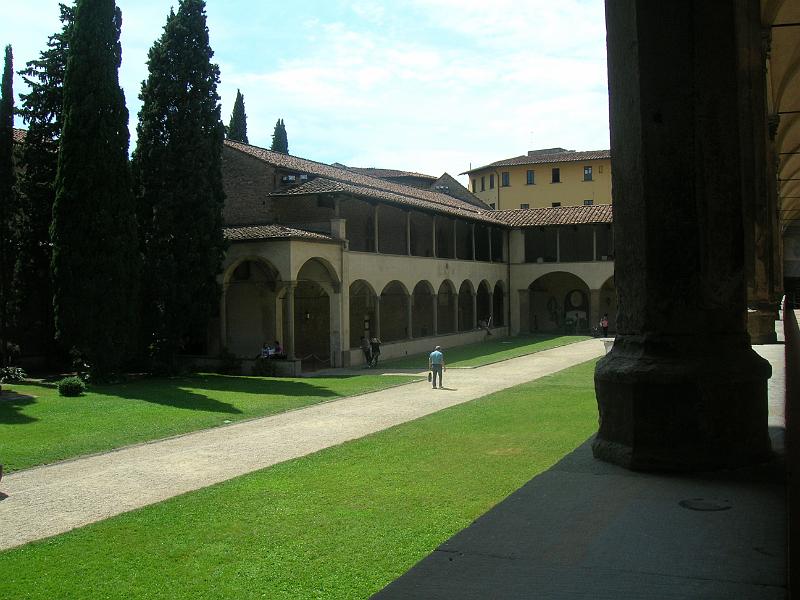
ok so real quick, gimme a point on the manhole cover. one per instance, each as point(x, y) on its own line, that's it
point(705, 504)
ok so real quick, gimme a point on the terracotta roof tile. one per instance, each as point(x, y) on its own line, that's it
point(560, 215)
point(365, 185)
point(269, 232)
point(382, 173)
point(545, 158)
point(19, 135)
point(321, 185)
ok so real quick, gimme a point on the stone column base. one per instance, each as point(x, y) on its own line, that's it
point(682, 404)
point(761, 326)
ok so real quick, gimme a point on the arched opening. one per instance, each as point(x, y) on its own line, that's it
point(422, 308)
point(394, 312)
point(558, 302)
point(466, 316)
point(251, 307)
point(608, 303)
point(362, 312)
point(446, 303)
point(312, 313)
point(483, 302)
point(499, 306)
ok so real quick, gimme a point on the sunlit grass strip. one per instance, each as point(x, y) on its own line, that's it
point(489, 351)
point(46, 427)
point(341, 523)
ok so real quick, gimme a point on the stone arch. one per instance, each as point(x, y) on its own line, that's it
point(558, 302)
point(499, 304)
point(483, 302)
point(394, 312)
point(316, 281)
point(319, 270)
point(251, 287)
point(423, 305)
point(466, 306)
point(363, 299)
point(446, 307)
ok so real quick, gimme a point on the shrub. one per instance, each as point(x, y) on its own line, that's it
point(12, 375)
point(71, 386)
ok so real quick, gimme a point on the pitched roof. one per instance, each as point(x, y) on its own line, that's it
point(452, 187)
point(557, 215)
point(363, 185)
point(322, 185)
point(383, 173)
point(269, 232)
point(537, 157)
point(19, 135)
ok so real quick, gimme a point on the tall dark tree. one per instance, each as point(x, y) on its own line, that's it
point(280, 143)
point(9, 210)
point(41, 110)
point(95, 249)
point(178, 173)
point(237, 128)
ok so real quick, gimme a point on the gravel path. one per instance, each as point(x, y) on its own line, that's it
point(45, 501)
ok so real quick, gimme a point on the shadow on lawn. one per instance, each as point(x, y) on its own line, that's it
point(186, 392)
point(11, 405)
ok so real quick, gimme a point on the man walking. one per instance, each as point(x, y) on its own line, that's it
point(436, 365)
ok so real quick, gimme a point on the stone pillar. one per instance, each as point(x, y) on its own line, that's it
point(409, 316)
point(491, 306)
point(408, 233)
point(338, 341)
point(435, 314)
point(758, 196)
point(288, 319)
point(681, 389)
point(472, 235)
point(455, 312)
point(433, 235)
point(377, 327)
point(223, 318)
point(516, 246)
point(594, 308)
point(375, 227)
point(474, 312)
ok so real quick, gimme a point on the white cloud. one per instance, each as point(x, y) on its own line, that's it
point(427, 85)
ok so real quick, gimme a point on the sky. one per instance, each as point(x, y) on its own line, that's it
point(419, 85)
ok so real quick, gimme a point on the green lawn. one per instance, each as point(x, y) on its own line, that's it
point(487, 352)
point(341, 523)
point(44, 427)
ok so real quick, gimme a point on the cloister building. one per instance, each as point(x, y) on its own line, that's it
point(322, 255)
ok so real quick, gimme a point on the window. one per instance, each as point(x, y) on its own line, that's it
point(483, 183)
point(474, 185)
point(587, 173)
point(588, 202)
point(505, 179)
point(524, 205)
point(556, 175)
point(555, 204)
point(530, 180)
point(491, 181)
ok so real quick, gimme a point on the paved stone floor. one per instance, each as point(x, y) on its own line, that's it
point(585, 529)
point(45, 501)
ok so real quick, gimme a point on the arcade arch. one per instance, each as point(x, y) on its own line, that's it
point(558, 301)
point(394, 312)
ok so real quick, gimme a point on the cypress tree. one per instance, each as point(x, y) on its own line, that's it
point(280, 142)
point(95, 257)
point(9, 220)
point(237, 128)
point(41, 110)
point(178, 173)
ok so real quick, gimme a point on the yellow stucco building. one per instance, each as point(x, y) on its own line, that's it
point(544, 178)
